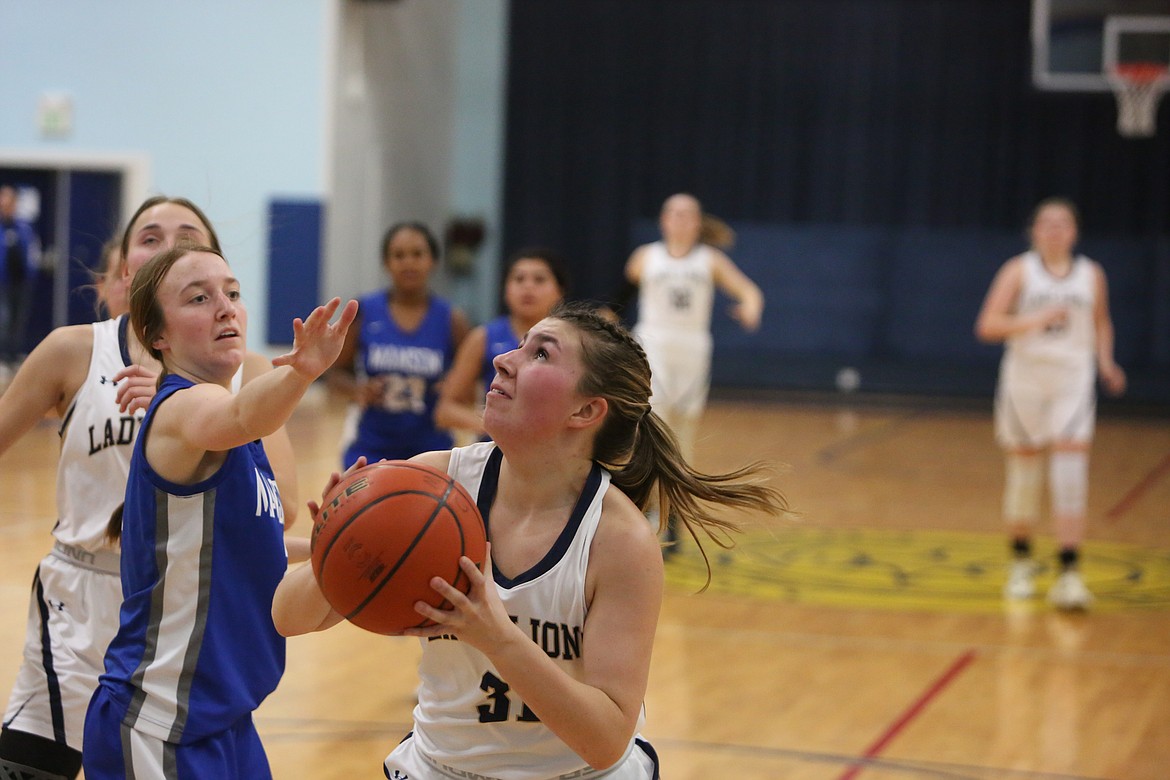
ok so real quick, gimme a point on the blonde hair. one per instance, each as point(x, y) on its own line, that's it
point(717, 233)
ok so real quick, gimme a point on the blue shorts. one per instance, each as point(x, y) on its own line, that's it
point(116, 752)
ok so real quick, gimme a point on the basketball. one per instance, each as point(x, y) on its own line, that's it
point(383, 532)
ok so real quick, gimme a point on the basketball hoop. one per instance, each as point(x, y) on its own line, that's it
point(1138, 87)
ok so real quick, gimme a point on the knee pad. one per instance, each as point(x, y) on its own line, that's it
point(1023, 488)
point(1068, 482)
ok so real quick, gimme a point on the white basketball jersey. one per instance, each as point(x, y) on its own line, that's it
point(96, 443)
point(1070, 343)
point(675, 294)
point(466, 717)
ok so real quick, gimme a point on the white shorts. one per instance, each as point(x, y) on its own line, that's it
point(408, 763)
point(74, 610)
point(680, 372)
point(1037, 405)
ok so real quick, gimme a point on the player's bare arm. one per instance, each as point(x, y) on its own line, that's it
point(998, 319)
point(1112, 376)
point(46, 382)
point(749, 298)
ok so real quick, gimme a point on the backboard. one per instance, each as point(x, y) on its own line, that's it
point(1075, 43)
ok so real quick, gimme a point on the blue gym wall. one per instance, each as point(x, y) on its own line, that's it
point(899, 306)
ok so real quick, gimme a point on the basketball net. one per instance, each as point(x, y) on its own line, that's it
point(1138, 87)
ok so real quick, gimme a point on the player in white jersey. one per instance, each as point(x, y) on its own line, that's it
point(676, 280)
point(76, 591)
point(82, 374)
point(541, 669)
point(1051, 309)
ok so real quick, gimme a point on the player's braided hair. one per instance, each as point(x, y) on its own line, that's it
point(641, 452)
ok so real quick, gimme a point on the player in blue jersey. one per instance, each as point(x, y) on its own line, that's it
point(202, 533)
point(535, 280)
point(576, 454)
point(20, 258)
point(95, 378)
point(397, 353)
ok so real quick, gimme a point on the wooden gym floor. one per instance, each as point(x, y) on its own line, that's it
point(865, 639)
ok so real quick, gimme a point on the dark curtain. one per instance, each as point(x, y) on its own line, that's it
point(894, 113)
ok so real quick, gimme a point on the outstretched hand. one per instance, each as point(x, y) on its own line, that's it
point(317, 343)
point(136, 386)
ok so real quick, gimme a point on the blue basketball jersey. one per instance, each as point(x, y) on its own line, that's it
point(196, 649)
point(411, 364)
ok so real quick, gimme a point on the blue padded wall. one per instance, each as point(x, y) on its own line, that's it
point(294, 263)
point(900, 305)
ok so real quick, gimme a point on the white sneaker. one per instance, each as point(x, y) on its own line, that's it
point(1021, 582)
point(1069, 592)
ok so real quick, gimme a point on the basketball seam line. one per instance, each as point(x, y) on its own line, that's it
point(440, 505)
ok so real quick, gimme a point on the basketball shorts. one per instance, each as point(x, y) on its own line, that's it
point(408, 763)
point(680, 372)
point(1037, 405)
point(73, 615)
point(114, 751)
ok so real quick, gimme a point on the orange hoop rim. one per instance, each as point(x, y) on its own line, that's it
point(1141, 73)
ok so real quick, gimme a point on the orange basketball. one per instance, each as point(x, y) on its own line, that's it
point(383, 533)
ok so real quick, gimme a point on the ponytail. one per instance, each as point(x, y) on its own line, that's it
point(717, 233)
point(114, 525)
point(689, 495)
point(642, 454)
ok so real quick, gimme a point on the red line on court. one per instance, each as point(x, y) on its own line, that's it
point(911, 713)
point(1129, 499)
